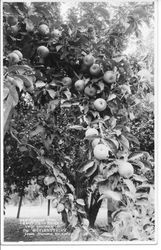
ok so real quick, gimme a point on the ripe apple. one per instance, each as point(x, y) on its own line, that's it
point(125, 169)
point(88, 60)
point(85, 222)
point(67, 81)
point(13, 58)
point(56, 33)
point(100, 104)
point(70, 197)
point(91, 132)
point(44, 29)
point(95, 142)
point(101, 152)
point(42, 51)
point(12, 20)
point(90, 91)
point(14, 29)
point(95, 69)
point(60, 207)
point(48, 180)
point(19, 54)
point(79, 85)
point(54, 203)
point(109, 77)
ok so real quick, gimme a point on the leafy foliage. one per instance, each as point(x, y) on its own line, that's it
point(50, 117)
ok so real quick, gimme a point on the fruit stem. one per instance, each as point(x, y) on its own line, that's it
point(76, 74)
point(100, 128)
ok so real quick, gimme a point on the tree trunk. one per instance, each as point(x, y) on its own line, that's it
point(19, 206)
point(65, 217)
point(48, 207)
point(93, 212)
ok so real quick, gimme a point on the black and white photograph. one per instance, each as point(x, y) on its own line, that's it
point(78, 108)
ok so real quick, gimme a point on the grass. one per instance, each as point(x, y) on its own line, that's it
point(35, 229)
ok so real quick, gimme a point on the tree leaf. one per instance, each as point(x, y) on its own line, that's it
point(137, 163)
point(67, 93)
point(23, 148)
point(27, 81)
point(58, 47)
point(53, 104)
point(124, 141)
point(19, 83)
point(144, 75)
point(140, 11)
point(112, 145)
point(73, 220)
point(103, 12)
point(38, 130)
point(19, 68)
point(91, 170)
point(111, 194)
point(14, 95)
point(52, 93)
point(109, 170)
point(132, 116)
point(111, 97)
point(71, 187)
point(7, 112)
point(77, 127)
point(139, 178)
point(86, 166)
point(5, 92)
point(135, 155)
point(80, 202)
point(75, 235)
point(125, 89)
point(130, 185)
point(101, 86)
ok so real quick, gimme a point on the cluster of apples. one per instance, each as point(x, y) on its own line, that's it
point(95, 70)
point(44, 30)
point(15, 57)
point(101, 152)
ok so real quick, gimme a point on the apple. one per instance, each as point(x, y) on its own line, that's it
point(88, 60)
point(67, 81)
point(56, 33)
point(95, 142)
point(79, 85)
point(19, 54)
point(14, 29)
point(101, 152)
point(125, 169)
point(13, 58)
point(12, 20)
point(85, 222)
point(109, 77)
point(95, 69)
point(100, 104)
point(90, 91)
point(43, 29)
point(48, 180)
point(91, 132)
point(42, 51)
point(60, 208)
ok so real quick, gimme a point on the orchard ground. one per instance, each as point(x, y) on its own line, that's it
point(15, 229)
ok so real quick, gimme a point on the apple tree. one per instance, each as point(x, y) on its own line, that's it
point(80, 89)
